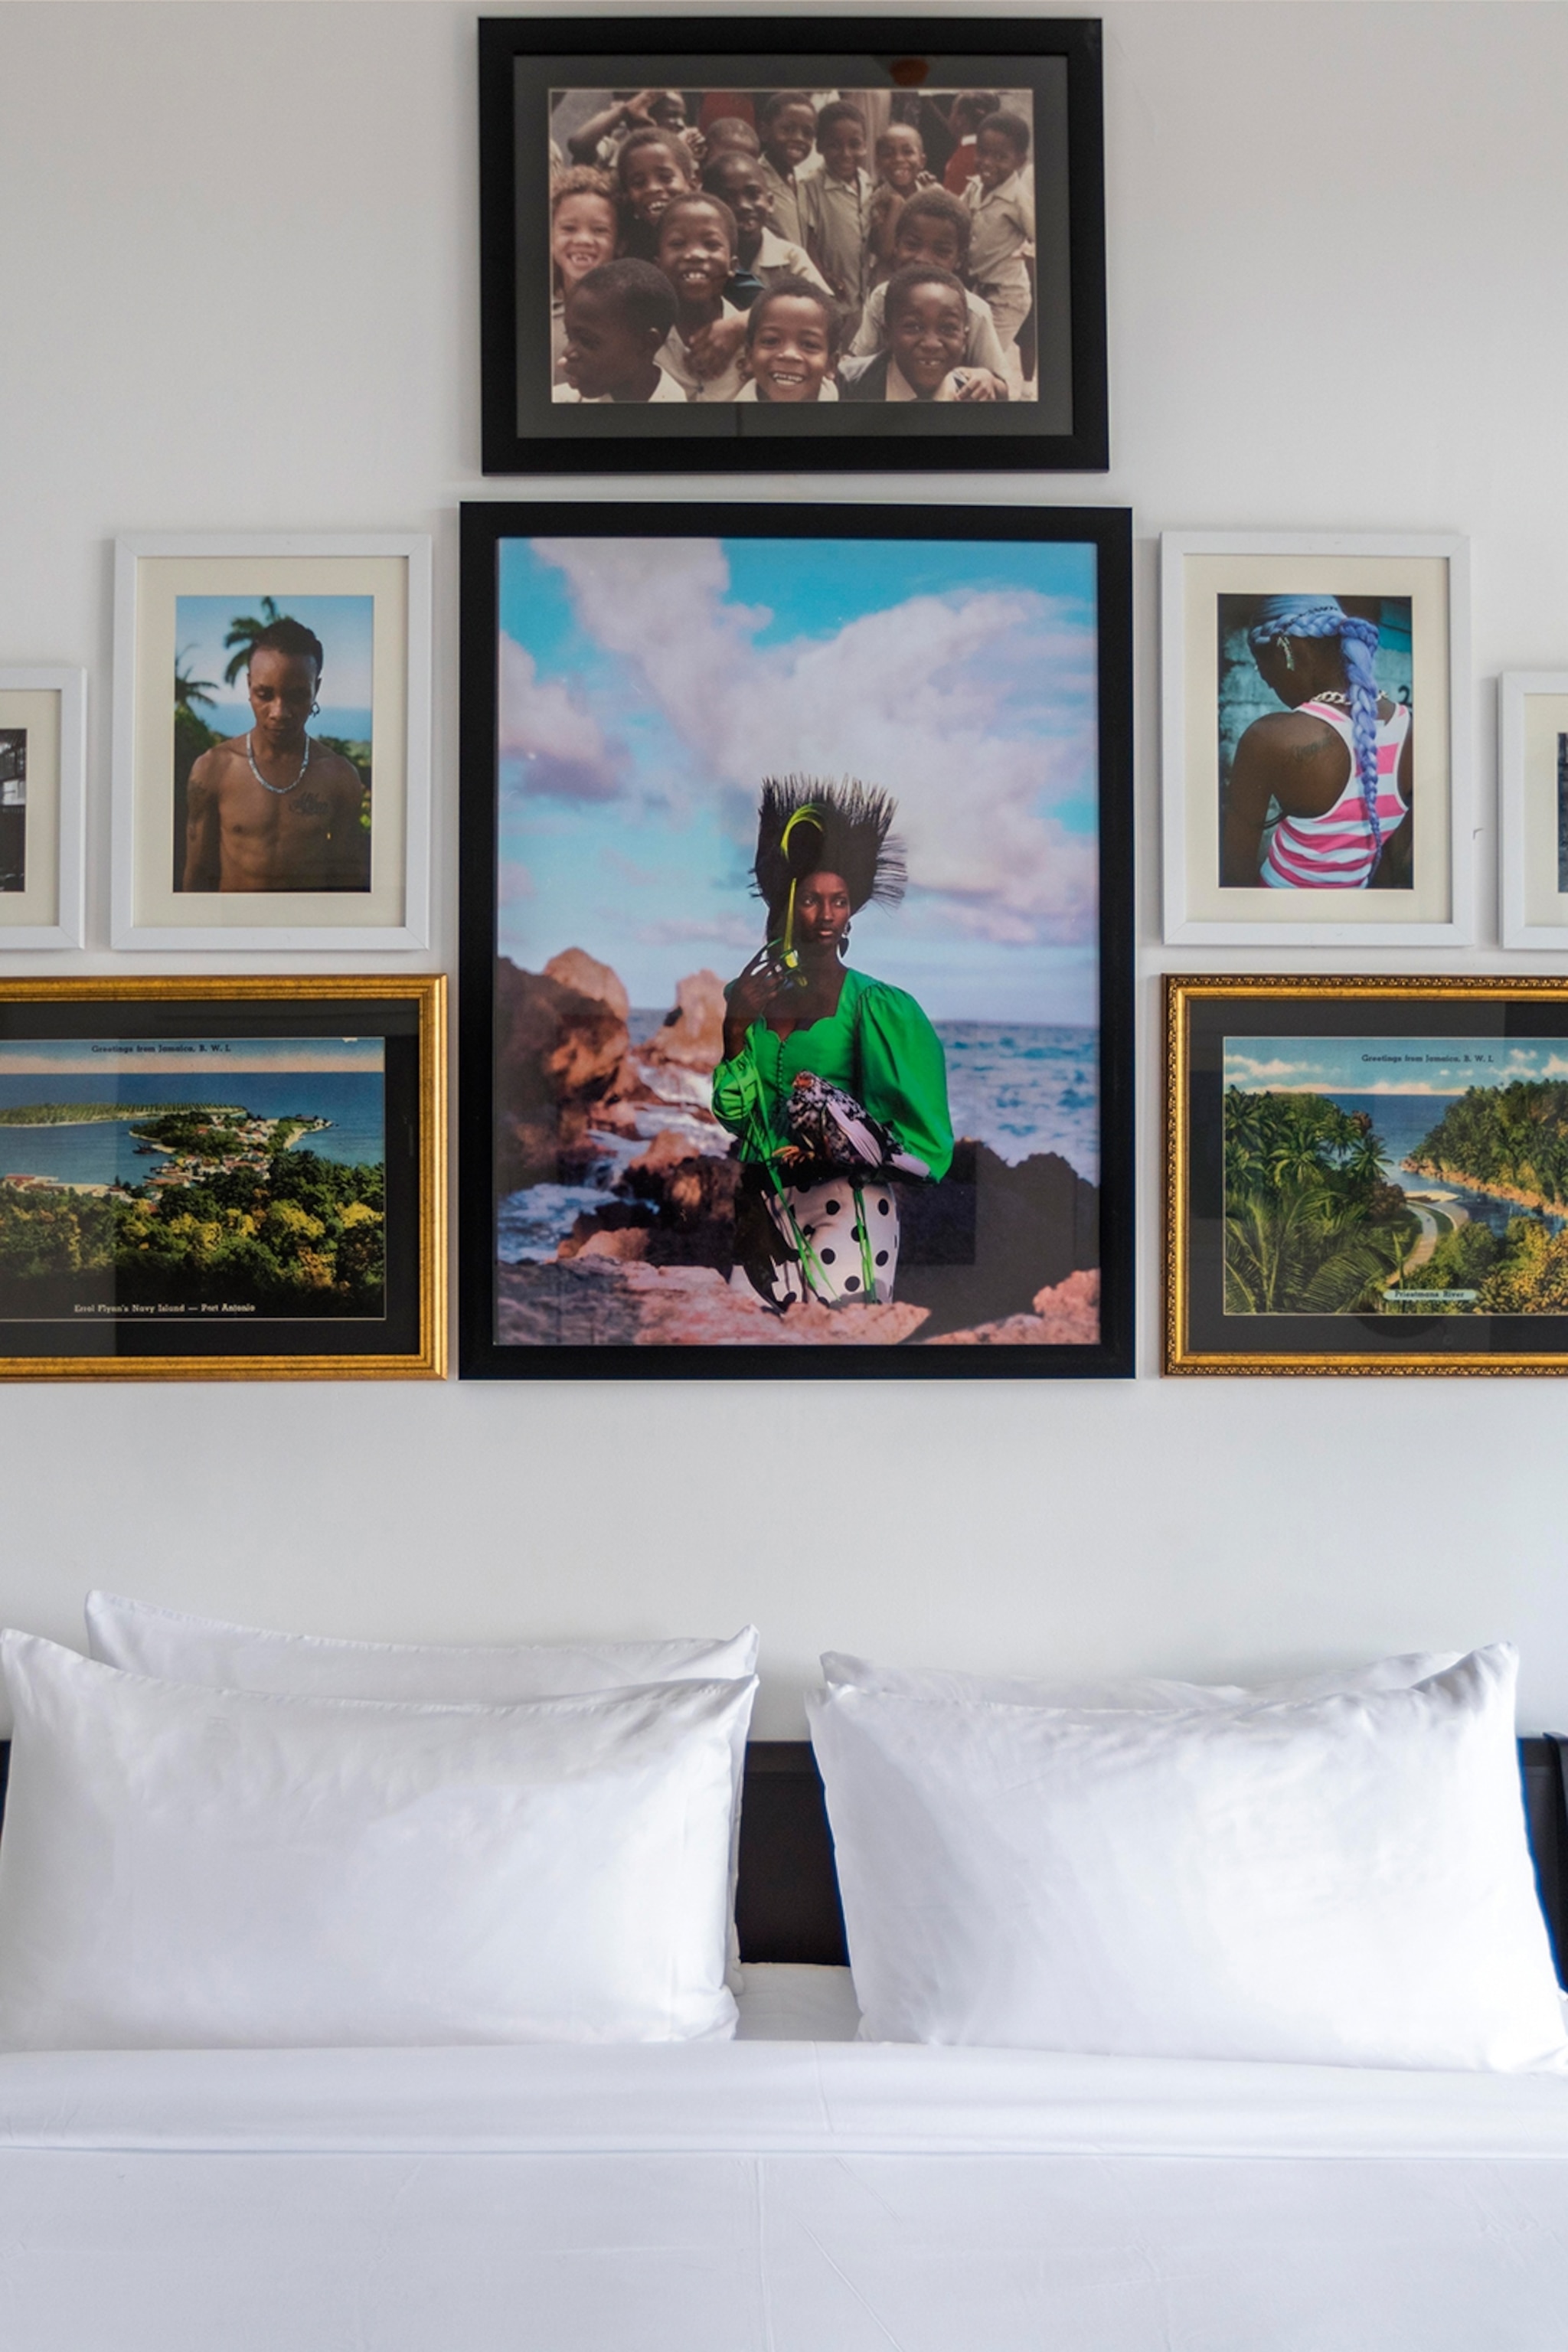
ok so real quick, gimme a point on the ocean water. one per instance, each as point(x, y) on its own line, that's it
point(103, 1151)
point(1022, 1087)
point(1403, 1123)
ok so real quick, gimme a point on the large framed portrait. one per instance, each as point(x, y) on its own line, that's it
point(1366, 1175)
point(215, 1179)
point(731, 242)
point(1533, 776)
point(43, 773)
point(1316, 750)
point(796, 934)
point(272, 742)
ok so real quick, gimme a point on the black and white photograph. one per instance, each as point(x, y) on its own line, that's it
point(13, 808)
point(736, 248)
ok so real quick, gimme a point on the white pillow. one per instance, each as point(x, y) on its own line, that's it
point(186, 1868)
point(182, 1649)
point(145, 1640)
point(1135, 1692)
point(1340, 1880)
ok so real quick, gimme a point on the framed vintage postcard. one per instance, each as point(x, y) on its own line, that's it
point(1316, 740)
point(207, 1178)
point(43, 770)
point(796, 934)
point(272, 742)
point(1366, 1175)
point(723, 242)
point(1532, 774)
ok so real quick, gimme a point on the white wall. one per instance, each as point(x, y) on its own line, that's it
point(237, 289)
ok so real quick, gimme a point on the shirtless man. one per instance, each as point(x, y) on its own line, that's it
point(273, 810)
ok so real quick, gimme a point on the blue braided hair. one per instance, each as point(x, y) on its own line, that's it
point(1325, 616)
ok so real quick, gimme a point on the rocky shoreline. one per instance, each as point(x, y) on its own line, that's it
point(1493, 1191)
point(995, 1255)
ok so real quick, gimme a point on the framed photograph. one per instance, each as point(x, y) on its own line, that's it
point(43, 771)
point(272, 742)
point(1533, 772)
point(1316, 744)
point(796, 942)
point(728, 242)
point(207, 1178)
point(1366, 1175)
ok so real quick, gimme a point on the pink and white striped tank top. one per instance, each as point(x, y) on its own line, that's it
point(1335, 851)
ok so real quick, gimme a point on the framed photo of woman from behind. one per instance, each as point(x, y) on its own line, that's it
point(796, 1016)
point(1316, 752)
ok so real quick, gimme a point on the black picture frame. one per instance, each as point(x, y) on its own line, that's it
point(1299, 1109)
point(1002, 1218)
point(146, 1235)
point(522, 58)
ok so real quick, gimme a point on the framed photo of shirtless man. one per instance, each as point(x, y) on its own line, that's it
point(272, 742)
point(1317, 768)
point(795, 929)
point(216, 1178)
point(752, 242)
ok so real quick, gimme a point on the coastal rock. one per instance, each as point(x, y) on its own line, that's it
point(693, 1034)
point(1066, 1315)
point(981, 1245)
point(667, 1151)
point(627, 1244)
point(693, 1307)
point(596, 1301)
point(575, 969)
point(557, 1054)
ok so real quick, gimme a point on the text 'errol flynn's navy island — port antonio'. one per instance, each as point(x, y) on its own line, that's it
point(237, 1214)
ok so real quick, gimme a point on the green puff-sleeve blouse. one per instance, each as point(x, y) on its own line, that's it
point(878, 1046)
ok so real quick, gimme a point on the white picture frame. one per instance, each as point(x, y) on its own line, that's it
point(1532, 796)
point(1430, 572)
point(48, 706)
point(379, 585)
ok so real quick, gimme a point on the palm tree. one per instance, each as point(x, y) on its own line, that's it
point(189, 691)
point(243, 632)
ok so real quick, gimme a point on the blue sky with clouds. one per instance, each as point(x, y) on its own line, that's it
point(647, 685)
point(1387, 1066)
point(346, 625)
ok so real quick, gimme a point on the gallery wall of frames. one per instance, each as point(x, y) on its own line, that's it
point(703, 1134)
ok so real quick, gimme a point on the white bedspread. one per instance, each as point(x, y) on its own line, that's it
point(774, 2195)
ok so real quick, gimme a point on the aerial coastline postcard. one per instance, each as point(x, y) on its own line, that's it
point(185, 1178)
point(1396, 1176)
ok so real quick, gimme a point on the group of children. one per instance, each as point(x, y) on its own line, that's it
point(760, 260)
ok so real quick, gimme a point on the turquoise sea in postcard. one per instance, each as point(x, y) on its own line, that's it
point(103, 1151)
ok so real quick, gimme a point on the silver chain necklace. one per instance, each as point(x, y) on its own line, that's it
point(1332, 694)
point(280, 788)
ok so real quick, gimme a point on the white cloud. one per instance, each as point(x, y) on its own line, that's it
point(549, 744)
point(725, 931)
point(916, 698)
point(1243, 1066)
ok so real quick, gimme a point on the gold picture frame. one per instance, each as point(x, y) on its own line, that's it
point(294, 1230)
point(1298, 1107)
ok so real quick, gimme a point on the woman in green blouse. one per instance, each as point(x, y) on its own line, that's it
point(832, 1082)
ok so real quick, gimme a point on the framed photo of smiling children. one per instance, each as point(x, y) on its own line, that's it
point(797, 998)
point(754, 242)
point(271, 770)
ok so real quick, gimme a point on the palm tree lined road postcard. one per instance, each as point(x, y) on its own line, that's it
point(271, 750)
point(1368, 1175)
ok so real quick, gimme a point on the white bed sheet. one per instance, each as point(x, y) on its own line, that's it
point(773, 2196)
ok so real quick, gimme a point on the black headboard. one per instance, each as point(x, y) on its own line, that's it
point(787, 1905)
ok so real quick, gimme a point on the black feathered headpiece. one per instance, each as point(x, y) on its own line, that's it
point(805, 827)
